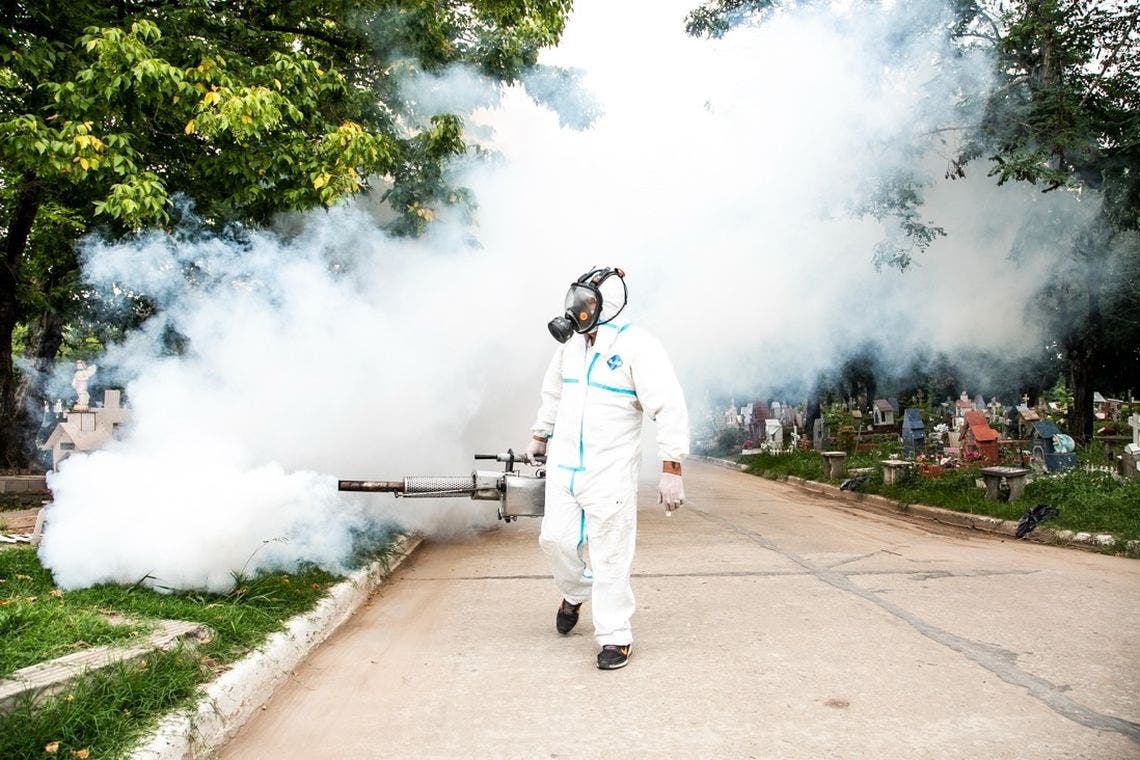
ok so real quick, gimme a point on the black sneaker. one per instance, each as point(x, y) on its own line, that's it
point(567, 617)
point(613, 656)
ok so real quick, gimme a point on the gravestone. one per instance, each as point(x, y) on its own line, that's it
point(817, 434)
point(1130, 460)
point(996, 411)
point(913, 432)
point(961, 406)
point(884, 412)
point(1051, 447)
point(773, 434)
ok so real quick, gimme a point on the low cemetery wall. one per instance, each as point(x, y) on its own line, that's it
point(23, 488)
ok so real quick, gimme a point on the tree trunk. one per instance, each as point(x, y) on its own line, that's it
point(1085, 354)
point(1081, 379)
point(16, 431)
point(45, 337)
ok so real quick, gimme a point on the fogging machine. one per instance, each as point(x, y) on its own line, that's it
point(519, 494)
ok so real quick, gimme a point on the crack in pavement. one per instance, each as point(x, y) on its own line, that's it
point(854, 559)
point(998, 661)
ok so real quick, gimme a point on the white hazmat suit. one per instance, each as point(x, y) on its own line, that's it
point(593, 401)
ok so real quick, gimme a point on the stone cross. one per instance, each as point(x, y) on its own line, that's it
point(995, 410)
point(1134, 423)
point(113, 412)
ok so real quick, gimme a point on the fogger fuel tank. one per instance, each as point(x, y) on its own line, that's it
point(519, 494)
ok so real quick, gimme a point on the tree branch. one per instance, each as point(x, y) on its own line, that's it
point(325, 38)
point(980, 36)
point(1124, 38)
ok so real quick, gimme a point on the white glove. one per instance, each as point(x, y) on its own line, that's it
point(535, 449)
point(670, 491)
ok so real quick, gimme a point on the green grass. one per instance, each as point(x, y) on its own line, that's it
point(32, 630)
point(106, 712)
point(1091, 501)
point(1088, 501)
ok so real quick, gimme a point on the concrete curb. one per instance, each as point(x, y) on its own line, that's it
point(984, 523)
point(233, 698)
point(726, 463)
point(883, 505)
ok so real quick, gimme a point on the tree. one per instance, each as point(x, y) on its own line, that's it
point(109, 109)
point(1063, 115)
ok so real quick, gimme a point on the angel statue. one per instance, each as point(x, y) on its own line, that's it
point(83, 373)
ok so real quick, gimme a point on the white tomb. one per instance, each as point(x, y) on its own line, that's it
point(773, 434)
point(87, 429)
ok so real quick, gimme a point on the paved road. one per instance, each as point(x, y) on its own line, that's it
point(770, 623)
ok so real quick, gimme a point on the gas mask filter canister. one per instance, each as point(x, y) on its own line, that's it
point(585, 305)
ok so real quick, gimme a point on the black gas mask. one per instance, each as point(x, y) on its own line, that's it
point(585, 307)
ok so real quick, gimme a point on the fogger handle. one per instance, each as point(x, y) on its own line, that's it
point(510, 456)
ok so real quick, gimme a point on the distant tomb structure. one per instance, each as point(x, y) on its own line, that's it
point(1130, 460)
point(773, 435)
point(961, 406)
point(996, 411)
point(913, 432)
point(977, 436)
point(884, 411)
point(1052, 447)
point(1026, 419)
point(757, 429)
point(87, 429)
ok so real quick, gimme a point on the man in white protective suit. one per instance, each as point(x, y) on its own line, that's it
point(604, 377)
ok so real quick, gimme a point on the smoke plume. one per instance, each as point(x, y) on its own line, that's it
point(719, 174)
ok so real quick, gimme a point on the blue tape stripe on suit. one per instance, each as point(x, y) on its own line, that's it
point(614, 389)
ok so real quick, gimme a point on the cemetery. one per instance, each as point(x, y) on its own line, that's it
point(960, 454)
point(883, 267)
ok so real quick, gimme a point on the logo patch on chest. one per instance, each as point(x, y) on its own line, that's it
point(614, 362)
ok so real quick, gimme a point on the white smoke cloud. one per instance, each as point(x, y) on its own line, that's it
point(717, 173)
